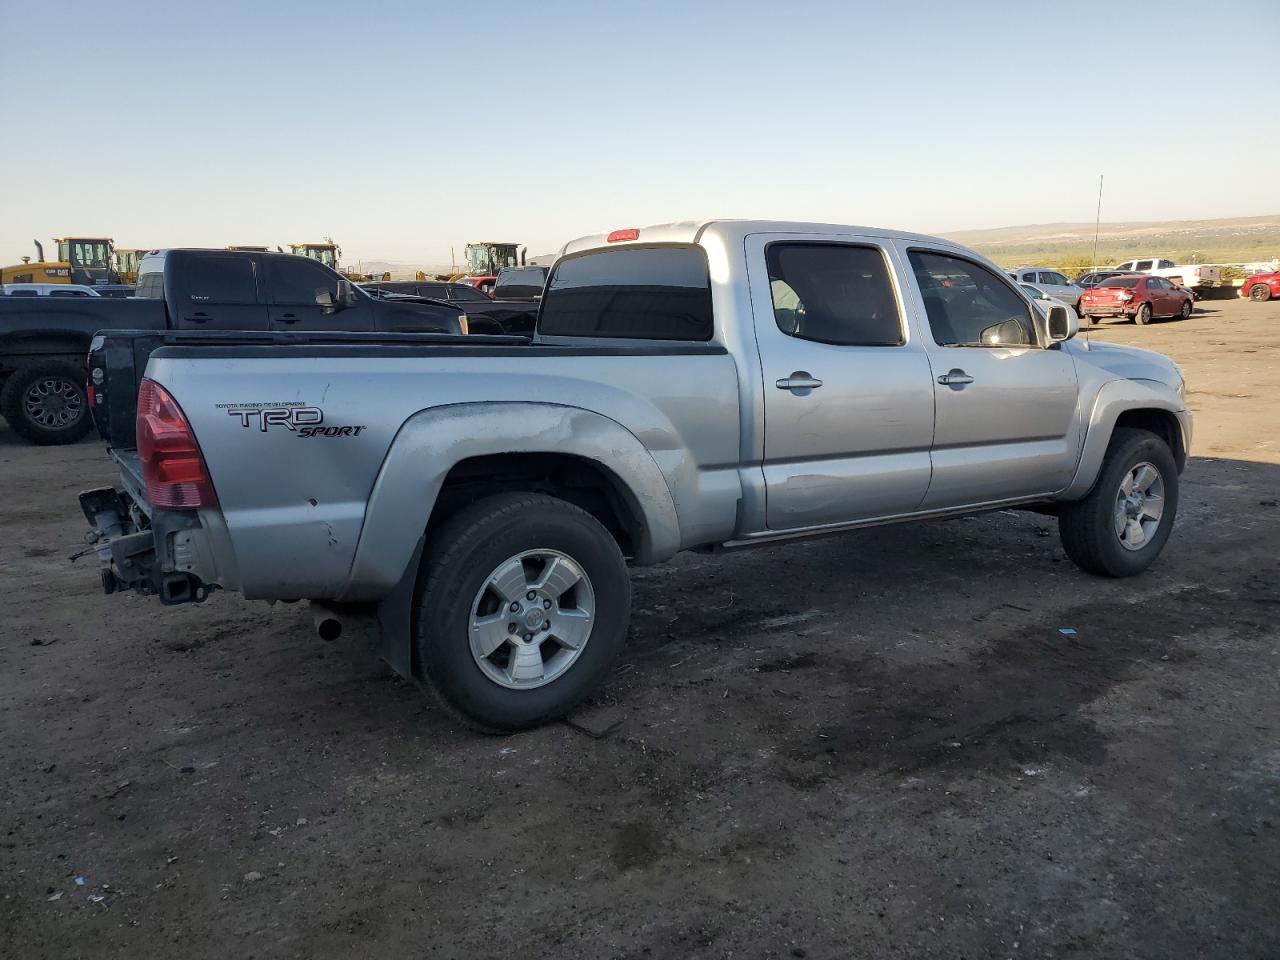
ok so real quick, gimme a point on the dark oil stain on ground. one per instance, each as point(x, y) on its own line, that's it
point(1017, 701)
point(635, 844)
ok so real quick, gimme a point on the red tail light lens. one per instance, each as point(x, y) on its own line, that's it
point(172, 466)
point(619, 235)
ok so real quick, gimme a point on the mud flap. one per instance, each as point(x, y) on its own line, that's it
point(395, 619)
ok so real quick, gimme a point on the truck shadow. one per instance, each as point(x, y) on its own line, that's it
point(843, 667)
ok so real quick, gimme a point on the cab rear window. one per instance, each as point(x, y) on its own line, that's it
point(646, 293)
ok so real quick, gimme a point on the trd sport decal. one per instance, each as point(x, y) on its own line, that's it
point(301, 420)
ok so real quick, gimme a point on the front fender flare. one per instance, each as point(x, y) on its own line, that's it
point(1115, 398)
point(432, 442)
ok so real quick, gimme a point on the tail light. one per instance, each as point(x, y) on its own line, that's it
point(172, 467)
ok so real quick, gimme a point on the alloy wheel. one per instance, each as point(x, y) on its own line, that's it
point(53, 403)
point(531, 619)
point(1139, 506)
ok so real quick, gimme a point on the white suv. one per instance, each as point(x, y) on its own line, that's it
point(1051, 282)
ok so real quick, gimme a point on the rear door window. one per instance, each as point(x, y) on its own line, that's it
point(833, 293)
point(649, 293)
point(218, 279)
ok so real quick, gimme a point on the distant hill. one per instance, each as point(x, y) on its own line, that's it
point(399, 269)
point(1231, 240)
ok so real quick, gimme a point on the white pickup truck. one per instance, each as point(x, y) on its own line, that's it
point(689, 386)
point(1193, 276)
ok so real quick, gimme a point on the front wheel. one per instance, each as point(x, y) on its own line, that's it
point(1120, 528)
point(1143, 316)
point(522, 609)
point(1185, 312)
point(1259, 293)
point(45, 402)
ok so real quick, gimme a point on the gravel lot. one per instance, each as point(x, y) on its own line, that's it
point(877, 745)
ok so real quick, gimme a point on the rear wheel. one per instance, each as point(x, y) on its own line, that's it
point(45, 402)
point(1120, 528)
point(1259, 293)
point(1143, 316)
point(522, 609)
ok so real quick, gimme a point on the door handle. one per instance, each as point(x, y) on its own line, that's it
point(956, 378)
point(799, 380)
point(197, 318)
point(288, 318)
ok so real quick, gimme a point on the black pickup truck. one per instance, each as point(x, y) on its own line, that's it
point(486, 314)
point(43, 341)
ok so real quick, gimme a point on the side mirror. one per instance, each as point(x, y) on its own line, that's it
point(1063, 324)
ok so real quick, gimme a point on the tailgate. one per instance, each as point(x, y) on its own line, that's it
point(116, 364)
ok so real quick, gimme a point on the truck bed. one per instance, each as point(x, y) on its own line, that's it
point(28, 325)
point(118, 358)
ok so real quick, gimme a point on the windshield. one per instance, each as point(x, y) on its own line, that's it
point(326, 255)
point(1120, 282)
point(89, 253)
point(486, 259)
point(1031, 291)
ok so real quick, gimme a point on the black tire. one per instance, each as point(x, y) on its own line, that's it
point(1143, 316)
point(461, 555)
point(1087, 526)
point(55, 387)
point(1185, 312)
point(1259, 293)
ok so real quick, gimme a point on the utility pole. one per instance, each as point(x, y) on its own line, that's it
point(1097, 223)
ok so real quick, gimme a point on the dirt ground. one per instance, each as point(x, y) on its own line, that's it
point(879, 745)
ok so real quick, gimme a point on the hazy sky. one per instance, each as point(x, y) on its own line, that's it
point(402, 128)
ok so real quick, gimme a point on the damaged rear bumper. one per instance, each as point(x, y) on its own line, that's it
point(178, 556)
point(153, 554)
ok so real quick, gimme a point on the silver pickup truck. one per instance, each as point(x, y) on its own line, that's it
point(690, 386)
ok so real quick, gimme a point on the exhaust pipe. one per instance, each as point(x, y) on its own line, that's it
point(39, 251)
point(328, 621)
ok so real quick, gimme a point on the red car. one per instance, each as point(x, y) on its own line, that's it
point(1136, 296)
point(1261, 286)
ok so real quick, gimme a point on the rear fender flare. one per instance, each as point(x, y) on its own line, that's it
point(432, 442)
